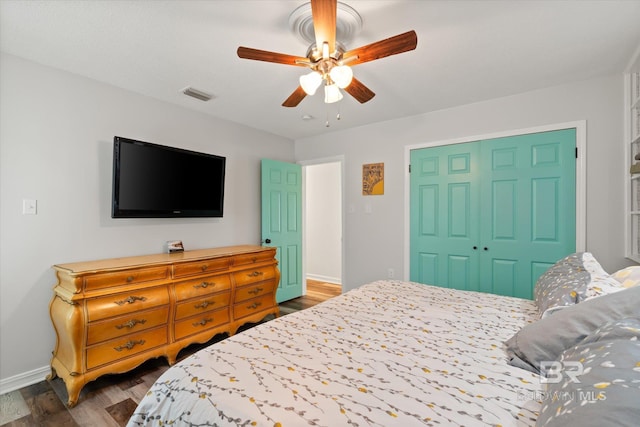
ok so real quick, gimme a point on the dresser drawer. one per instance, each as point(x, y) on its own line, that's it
point(206, 266)
point(253, 258)
point(204, 321)
point(125, 277)
point(254, 275)
point(126, 302)
point(255, 305)
point(202, 286)
point(200, 305)
point(129, 345)
point(124, 325)
point(253, 291)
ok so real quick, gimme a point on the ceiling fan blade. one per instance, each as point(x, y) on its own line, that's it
point(324, 22)
point(278, 58)
point(295, 98)
point(393, 45)
point(359, 91)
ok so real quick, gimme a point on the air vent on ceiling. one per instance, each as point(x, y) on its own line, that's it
point(198, 94)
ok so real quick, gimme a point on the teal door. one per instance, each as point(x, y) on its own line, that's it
point(282, 222)
point(493, 215)
point(445, 232)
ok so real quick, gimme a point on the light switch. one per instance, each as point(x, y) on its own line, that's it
point(29, 207)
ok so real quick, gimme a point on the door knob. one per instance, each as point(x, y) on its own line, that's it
point(267, 241)
point(486, 248)
point(475, 247)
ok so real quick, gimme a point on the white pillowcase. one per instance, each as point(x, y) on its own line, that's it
point(601, 282)
point(629, 277)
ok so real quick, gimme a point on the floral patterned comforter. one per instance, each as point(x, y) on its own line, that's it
point(388, 353)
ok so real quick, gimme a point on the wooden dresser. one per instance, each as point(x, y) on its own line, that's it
point(111, 315)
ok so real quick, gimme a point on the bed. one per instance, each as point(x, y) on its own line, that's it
point(385, 354)
point(394, 353)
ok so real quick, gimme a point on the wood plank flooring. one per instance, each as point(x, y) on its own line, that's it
point(111, 399)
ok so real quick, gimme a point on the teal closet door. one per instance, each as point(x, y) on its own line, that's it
point(492, 215)
point(444, 222)
point(527, 218)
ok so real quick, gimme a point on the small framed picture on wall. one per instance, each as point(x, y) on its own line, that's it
point(373, 179)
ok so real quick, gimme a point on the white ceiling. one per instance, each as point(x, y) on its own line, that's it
point(468, 51)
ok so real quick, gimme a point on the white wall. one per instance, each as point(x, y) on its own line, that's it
point(375, 241)
point(323, 222)
point(56, 141)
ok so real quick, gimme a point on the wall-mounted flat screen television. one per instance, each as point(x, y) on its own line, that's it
point(156, 181)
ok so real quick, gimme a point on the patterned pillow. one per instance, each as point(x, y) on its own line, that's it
point(547, 338)
point(629, 276)
point(598, 381)
point(574, 278)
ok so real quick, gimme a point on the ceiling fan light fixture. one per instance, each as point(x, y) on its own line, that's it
point(332, 94)
point(341, 75)
point(310, 82)
point(321, 20)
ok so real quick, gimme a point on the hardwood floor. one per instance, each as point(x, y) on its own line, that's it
point(111, 399)
point(317, 292)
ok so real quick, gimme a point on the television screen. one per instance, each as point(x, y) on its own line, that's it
point(155, 181)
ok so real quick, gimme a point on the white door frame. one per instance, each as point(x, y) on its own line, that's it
point(581, 177)
point(333, 159)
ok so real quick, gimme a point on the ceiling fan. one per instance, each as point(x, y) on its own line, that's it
point(329, 62)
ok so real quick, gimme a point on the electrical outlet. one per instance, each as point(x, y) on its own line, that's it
point(390, 273)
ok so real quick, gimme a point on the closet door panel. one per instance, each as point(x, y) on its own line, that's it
point(503, 276)
point(546, 213)
point(504, 198)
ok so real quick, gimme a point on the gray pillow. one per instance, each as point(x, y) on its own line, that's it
point(575, 278)
point(546, 339)
point(604, 390)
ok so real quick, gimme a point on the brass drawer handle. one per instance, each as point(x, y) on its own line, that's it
point(204, 285)
point(130, 300)
point(204, 267)
point(129, 345)
point(254, 305)
point(256, 291)
point(131, 323)
point(130, 279)
point(255, 273)
point(202, 322)
point(204, 304)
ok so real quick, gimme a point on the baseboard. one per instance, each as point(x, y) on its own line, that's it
point(327, 279)
point(7, 385)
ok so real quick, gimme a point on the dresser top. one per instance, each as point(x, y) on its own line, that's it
point(156, 259)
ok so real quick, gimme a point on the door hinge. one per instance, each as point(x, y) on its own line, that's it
point(409, 168)
point(576, 152)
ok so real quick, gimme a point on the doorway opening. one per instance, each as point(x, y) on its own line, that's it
point(323, 227)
